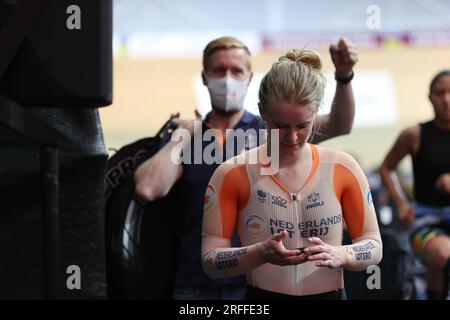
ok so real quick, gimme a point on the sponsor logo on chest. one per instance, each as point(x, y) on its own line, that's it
point(314, 201)
point(265, 197)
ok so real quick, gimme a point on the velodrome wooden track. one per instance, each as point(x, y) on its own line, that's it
point(146, 91)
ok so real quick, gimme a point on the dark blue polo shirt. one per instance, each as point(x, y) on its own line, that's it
point(191, 188)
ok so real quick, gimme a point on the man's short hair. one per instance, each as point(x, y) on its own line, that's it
point(225, 43)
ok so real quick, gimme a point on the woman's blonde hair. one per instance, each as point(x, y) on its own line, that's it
point(296, 77)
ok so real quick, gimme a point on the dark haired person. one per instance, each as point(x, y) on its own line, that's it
point(428, 216)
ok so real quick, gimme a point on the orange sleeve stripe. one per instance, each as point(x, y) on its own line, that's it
point(348, 193)
point(234, 195)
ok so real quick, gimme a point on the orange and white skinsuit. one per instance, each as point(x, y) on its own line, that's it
point(239, 198)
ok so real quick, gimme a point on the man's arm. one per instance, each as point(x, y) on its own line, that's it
point(155, 177)
point(340, 119)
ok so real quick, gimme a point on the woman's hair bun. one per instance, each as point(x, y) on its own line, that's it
point(306, 56)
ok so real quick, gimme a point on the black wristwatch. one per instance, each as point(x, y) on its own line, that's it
point(344, 80)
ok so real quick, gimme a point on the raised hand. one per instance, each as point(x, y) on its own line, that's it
point(344, 56)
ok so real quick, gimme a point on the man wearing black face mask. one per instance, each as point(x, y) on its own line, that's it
point(227, 74)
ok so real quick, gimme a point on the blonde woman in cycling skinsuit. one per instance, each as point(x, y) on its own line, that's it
point(290, 221)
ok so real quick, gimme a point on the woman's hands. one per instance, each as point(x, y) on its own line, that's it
point(321, 253)
point(325, 255)
point(273, 251)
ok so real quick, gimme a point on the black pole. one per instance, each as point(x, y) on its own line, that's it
point(13, 116)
